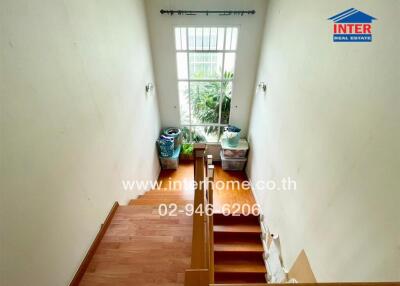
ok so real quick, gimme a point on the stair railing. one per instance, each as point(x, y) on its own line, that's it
point(201, 272)
point(210, 218)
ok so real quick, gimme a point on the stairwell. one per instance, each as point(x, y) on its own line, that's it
point(231, 251)
point(142, 247)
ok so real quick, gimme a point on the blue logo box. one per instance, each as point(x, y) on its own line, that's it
point(352, 37)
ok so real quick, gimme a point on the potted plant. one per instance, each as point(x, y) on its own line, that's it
point(187, 152)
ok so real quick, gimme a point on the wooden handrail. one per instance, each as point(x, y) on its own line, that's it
point(202, 260)
point(210, 224)
point(198, 260)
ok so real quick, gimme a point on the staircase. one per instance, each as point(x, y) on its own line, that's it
point(142, 248)
point(226, 249)
point(238, 250)
point(163, 196)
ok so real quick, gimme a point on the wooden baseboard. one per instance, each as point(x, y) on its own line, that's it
point(85, 263)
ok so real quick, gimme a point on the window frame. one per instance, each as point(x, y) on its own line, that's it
point(221, 80)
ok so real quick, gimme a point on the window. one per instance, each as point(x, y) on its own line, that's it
point(205, 61)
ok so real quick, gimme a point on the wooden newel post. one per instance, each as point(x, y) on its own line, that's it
point(199, 149)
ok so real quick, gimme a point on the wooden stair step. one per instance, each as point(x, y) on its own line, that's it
point(233, 244)
point(220, 218)
point(146, 201)
point(240, 279)
point(163, 198)
point(136, 210)
point(166, 197)
point(239, 228)
point(250, 257)
point(240, 265)
point(167, 191)
point(237, 235)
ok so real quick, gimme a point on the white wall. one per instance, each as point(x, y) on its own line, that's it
point(331, 121)
point(163, 48)
point(75, 121)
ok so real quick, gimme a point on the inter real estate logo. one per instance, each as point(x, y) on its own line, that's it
point(352, 26)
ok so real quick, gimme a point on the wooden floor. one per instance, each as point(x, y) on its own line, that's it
point(142, 248)
point(232, 194)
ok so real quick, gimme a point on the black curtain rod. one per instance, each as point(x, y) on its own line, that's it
point(208, 12)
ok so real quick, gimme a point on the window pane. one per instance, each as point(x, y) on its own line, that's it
point(213, 38)
point(198, 135)
point(206, 38)
point(204, 98)
point(186, 130)
point(199, 38)
point(183, 38)
point(178, 38)
point(229, 65)
point(234, 38)
point(205, 79)
point(220, 44)
point(226, 102)
point(206, 133)
point(184, 102)
point(205, 65)
point(228, 38)
point(181, 62)
point(192, 38)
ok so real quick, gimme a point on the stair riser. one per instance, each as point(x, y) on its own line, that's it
point(220, 219)
point(239, 278)
point(222, 235)
point(156, 203)
point(242, 239)
point(255, 257)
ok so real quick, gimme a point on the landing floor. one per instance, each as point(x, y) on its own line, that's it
point(233, 194)
point(140, 248)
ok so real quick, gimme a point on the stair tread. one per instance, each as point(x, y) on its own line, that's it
point(222, 214)
point(237, 228)
point(240, 266)
point(227, 279)
point(166, 192)
point(238, 246)
point(165, 197)
point(156, 201)
point(234, 282)
point(220, 219)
